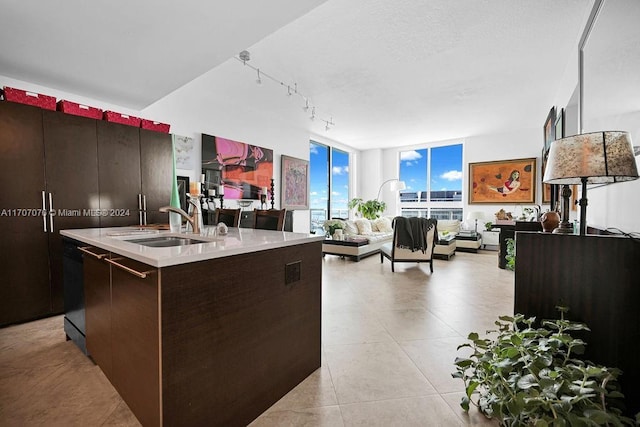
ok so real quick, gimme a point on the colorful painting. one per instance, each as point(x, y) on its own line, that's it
point(295, 183)
point(243, 170)
point(504, 181)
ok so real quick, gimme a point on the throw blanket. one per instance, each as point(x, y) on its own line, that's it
point(411, 233)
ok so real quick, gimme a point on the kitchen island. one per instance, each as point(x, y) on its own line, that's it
point(202, 329)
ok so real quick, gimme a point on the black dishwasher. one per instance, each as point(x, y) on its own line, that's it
point(74, 323)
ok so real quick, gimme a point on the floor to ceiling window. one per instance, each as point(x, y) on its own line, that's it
point(433, 177)
point(329, 176)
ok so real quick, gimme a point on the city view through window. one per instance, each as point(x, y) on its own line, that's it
point(433, 178)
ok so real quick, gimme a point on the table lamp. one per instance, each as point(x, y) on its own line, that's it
point(475, 216)
point(589, 158)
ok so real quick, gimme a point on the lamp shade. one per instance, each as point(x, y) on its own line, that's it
point(475, 215)
point(398, 185)
point(600, 157)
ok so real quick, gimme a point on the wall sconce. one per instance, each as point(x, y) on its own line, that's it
point(590, 158)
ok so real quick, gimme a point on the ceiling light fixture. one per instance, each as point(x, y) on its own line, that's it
point(245, 56)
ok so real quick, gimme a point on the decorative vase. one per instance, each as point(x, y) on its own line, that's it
point(337, 235)
point(550, 221)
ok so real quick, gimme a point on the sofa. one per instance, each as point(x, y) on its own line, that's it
point(360, 237)
point(378, 232)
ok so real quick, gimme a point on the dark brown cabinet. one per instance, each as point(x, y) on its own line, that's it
point(156, 158)
point(97, 294)
point(119, 174)
point(185, 347)
point(62, 171)
point(596, 277)
point(71, 161)
point(24, 256)
point(135, 337)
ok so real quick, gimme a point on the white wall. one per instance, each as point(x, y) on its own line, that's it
point(212, 105)
point(525, 143)
point(616, 205)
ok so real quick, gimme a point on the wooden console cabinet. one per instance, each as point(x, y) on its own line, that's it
point(597, 278)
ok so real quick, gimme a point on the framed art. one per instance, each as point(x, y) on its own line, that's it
point(553, 129)
point(183, 189)
point(550, 129)
point(243, 169)
point(503, 181)
point(295, 183)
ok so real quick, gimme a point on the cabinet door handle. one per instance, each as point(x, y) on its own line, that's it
point(44, 212)
point(140, 274)
point(85, 249)
point(51, 212)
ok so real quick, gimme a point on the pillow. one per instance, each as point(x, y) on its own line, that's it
point(384, 225)
point(350, 227)
point(364, 226)
point(374, 226)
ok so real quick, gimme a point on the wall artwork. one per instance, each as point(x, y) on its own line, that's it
point(183, 189)
point(503, 181)
point(184, 149)
point(295, 183)
point(243, 169)
point(553, 129)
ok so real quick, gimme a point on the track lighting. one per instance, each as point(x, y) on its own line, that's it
point(328, 123)
point(245, 56)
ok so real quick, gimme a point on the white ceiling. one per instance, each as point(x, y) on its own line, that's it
point(389, 73)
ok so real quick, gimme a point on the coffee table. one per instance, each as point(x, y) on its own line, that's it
point(341, 247)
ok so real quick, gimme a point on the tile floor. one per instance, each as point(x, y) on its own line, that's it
point(389, 341)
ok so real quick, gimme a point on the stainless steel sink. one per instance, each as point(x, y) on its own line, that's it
point(166, 241)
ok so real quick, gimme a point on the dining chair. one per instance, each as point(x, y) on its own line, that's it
point(231, 217)
point(272, 219)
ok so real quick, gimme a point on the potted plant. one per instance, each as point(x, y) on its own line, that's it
point(371, 209)
point(532, 376)
point(331, 225)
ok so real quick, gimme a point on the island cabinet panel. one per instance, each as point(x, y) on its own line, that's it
point(597, 278)
point(97, 300)
point(235, 336)
point(119, 174)
point(135, 338)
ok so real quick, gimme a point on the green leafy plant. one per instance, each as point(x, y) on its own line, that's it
point(531, 376)
point(488, 226)
point(510, 256)
point(371, 209)
point(331, 225)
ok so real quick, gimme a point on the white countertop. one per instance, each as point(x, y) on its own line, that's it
point(237, 241)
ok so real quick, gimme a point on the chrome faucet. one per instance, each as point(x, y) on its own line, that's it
point(195, 219)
